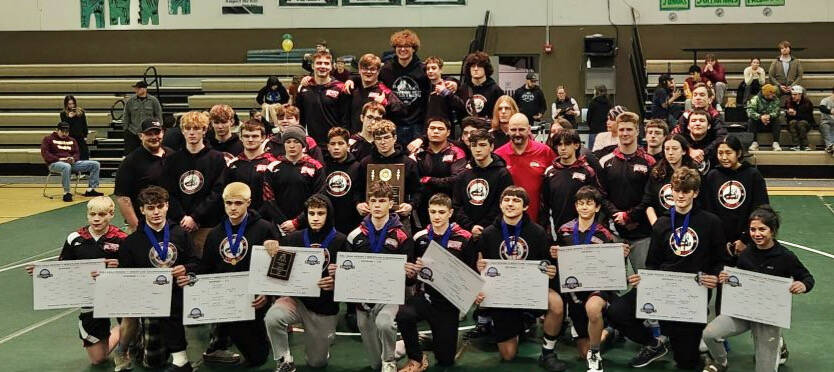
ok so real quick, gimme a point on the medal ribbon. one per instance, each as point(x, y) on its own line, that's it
point(161, 249)
point(588, 236)
point(684, 228)
point(506, 235)
point(234, 244)
point(326, 242)
point(445, 239)
point(377, 240)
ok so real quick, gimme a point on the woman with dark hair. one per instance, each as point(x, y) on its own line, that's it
point(664, 94)
point(75, 116)
point(657, 198)
point(733, 190)
point(597, 113)
point(564, 106)
point(755, 78)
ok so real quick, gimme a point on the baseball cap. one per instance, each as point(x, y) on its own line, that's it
point(532, 76)
point(151, 123)
point(797, 89)
point(140, 84)
point(63, 125)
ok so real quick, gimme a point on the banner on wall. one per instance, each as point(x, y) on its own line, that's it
point(435, 2)
point(242, 7)
point(308, 2)
point(717, 3)
point(92, 9)
point(674, 5)
point(370, 2)
point(764, 2)
point(179, 7)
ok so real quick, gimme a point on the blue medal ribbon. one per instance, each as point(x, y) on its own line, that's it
point(506, 235)
point(443, 240)
point(234, 244)
point(377, 239)
point(684, 228)
point(325, 243)
point(161, 249)
point(588, 236)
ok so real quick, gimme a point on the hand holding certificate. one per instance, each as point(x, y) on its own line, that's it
point(673, 296)
point(303, 279)
point(757, 297)
point(371, 278)
point(592, 267)
point(133, 293)
point(515, 284)
point(217, 298)
point(64, 284)
point(449, 276)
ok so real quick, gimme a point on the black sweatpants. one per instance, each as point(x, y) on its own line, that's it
point(249, 337)
point(621, 315)
point(443, 320)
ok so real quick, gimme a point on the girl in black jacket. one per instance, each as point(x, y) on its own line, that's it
point(74, 115)
point(273, 92)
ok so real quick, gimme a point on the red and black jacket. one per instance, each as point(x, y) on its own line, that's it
point(624, 178)
point(287, 186)
point(323, 107)
point(459, 245)
point(80, 245)
point(561, 182)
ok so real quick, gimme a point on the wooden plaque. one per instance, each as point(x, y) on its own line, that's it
point(392, 174)
point(281, 265)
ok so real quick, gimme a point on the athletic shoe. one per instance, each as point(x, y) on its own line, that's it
point(415, 366)
point(796, 148)
point(808, 148)
point(714, 367)
point(754, 146)
point(594, 361)
point(480, 331)
point(174, 368)
point(285, 367)
point(221, 357)
point(89, 193)
point(648, 354)
point(783, 351)
point(389, 367)
point(122, 362)
point(67, 197)
point(702, 347)
point(550, 362)
point(776, 146)
point(399, 350)
point(829, 149)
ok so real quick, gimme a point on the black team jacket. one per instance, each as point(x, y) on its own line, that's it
point(778, 261)
point(477, 193)
point(533, 243)
point(250, 172)
point(232, 146)
point(218, 258)
point(441, 168)
point(362, 95)
point(412, 87)
point(561, 182)
point(323, 107)
point(479, 100)
point(702, 248)
point(275, 146)
point(195, 185)
point(287, 186)
point(732, 194)
point(339, 183)
point(360, 147)
point(80, 244)
point(624, 179)
point(413, 193)
point(459, 245)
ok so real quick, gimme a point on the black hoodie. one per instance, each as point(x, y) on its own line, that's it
point(195, 185)
point(732, 194)
point(362, 95)
point(533, 243)
point(250, 172)
point(479, 100)
point(323, 304)
point(531, 101)
point(598, 114)
point(217, 257)
point(476, 193)
point(702, 249)
point(412, 193)
point(412, 87)
point(438, 172)
point(269, 96)
point(778, 261)
point(561, 182)
point(232, 146)
point(339, 182)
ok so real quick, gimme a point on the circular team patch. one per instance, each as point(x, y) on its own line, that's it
point(731, 194)
point(226, 252)
point(477, 190)
point(191, 182)
point(338, 183)
point(665, 197)
point(475, 104)
point(169, 259)
point(520, 253)
point(407, 89)
point(689, 242)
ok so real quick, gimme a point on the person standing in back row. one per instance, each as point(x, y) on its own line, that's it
point(530, 98)
point(406, 77)
point(138, 108)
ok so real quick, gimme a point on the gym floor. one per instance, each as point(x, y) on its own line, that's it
point(33, 228)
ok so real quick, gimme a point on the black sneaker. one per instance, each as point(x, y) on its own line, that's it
point(647, 355)
point(93, 193)
point(221, 357)
point(480, 331)
point(285, 367)
point(68, 197)
point(714, 367)
point(174, 368)
point(550, 362)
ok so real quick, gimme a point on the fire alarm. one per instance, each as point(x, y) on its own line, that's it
point(548, 48)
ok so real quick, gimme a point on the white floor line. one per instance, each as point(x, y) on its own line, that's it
point(827, 205)
point(35, 326)
point(28, 261)
point(809, 249)
point(301, 330)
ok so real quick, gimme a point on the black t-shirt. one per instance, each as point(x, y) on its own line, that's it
point(138, 170)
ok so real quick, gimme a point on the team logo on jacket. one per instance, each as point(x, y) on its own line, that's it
point(169, 259)
point(664, 196)
point(731, 194)
point(703, 167)
point(407, 89)
point(111, 247)
point(689, 242)
point(477, 190)
point(191, 181)
point(226, 252)
point(332, 93)
point(527, 97)
point(338, 183)
point(475, 104)
point(578, 176)
point(641, 168)
point(519, 253)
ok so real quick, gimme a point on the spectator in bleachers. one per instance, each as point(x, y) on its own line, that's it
point(60, 152)
point(273, 92)
point(530, 98)
point(406, 76)
point(827, 110)
point(690, 82)
point(785, 71)
point(608, 139)
point(754, 78)
point(597, 113)
point(478, 90)
point(368, 88)
point(222, 139)
point(799, 113)
point(138, 108)
point(763, 113)
point(341, 72)
point(715, 73)
point(564, 106)
point(77, 120)
point(664, 94)
point(323, 103)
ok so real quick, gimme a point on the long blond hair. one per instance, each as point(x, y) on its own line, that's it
point(505, 98)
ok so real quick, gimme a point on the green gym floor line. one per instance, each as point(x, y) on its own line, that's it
point(48, 341)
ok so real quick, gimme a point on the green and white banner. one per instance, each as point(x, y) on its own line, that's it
point(717, 3)
point(308, 2)
point(242, 7)
point(764, 2)
point(674, 5)
point(370, 2)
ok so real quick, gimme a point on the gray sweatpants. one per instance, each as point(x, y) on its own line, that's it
point(317, 330)
point(379, 332)
point(765, 339)
point(639, 252)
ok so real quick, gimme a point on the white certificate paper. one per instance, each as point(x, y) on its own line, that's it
point(757, 297)
point(372, 278)
point(450, 276)
point(673, 296)
point(304, 277)
point(592, 267)
point(217, 298)
point(133, 293)
point(64, 284)
point(515, 284)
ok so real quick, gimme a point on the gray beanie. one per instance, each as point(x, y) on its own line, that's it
point(295, 131)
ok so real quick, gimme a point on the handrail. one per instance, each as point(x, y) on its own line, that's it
point(113, 110)
point(155, 82)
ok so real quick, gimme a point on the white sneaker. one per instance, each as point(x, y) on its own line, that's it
point(594, 361)
point(389, 367)
point(703, 346)
point(399, 350)
point(754, 146)
point(776, 146)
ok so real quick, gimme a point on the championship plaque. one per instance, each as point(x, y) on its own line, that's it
point(392, 174)
point(281, 265)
